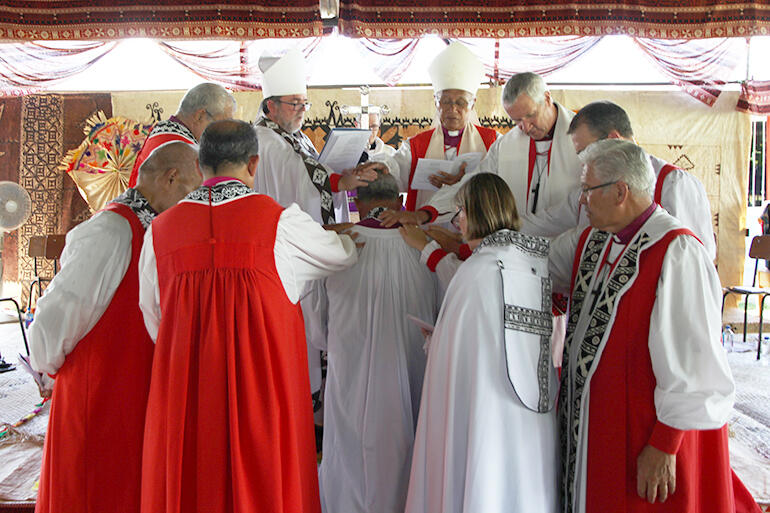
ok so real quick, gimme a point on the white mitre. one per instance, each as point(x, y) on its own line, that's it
point(456, 67)
point(283, 75)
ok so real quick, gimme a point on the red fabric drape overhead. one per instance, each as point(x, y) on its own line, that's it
point(37, 20)
point(513, 18)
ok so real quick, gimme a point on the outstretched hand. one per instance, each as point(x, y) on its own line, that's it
point(391, 217)
point(448, 240)
point(414, 236)
point(443, 178)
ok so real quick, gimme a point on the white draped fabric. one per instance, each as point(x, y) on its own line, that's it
point(376, 366)
point(477, 448)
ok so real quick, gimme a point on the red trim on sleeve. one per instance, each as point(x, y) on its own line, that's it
point(431, 211)
point(435, 258)
point(465, 252)
point(665, 438)
point(334, 180)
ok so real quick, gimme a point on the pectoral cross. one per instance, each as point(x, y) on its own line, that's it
point(365, 109)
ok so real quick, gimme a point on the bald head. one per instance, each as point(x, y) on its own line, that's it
point(169, 174)
point(176, 154)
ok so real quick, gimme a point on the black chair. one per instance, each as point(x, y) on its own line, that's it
point(759, 250)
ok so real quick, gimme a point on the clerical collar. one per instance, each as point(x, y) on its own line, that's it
point(627, 233)
point(452, 137)
point(211, 182)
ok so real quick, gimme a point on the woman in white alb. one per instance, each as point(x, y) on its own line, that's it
point(487, 434)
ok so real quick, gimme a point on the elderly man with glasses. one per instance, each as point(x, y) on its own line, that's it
point(646, 389)
point(456, 74)
point(289, 171)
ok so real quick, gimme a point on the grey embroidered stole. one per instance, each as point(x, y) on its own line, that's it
point(570, 397)
point(315, 170)
point(517, 318)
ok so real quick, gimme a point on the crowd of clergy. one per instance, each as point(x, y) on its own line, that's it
point(538, 334)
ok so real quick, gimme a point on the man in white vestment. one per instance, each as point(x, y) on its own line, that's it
point(646, 388)
point(376, 363)
point(456, 74)
point(536, 159)
point(680, 193)
point(288, 169)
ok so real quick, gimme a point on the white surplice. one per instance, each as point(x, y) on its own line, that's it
point(682, 195)
point(400, 163)
point(303, 252)
point(376, 367)
point(94, 261)
point(508, 158)
point(477, 447)
point(282, 175)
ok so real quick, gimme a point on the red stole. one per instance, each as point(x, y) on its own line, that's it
point(229, 425)
point(664, 172)
point(152, 142)
point(622, 415)
point(93, 448)
point(419, 146)
point(531, 165)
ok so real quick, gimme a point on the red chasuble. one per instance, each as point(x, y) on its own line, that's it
point(229, 425)
point(622, 417)
point(419, 146)
point(93, 448)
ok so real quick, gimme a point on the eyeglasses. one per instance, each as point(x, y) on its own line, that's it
point(455, 221)
point(296, 106)
point(461, 103)
point(586, 190)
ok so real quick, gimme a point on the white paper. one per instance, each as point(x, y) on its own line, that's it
point(472, 160)
point(428, 167)
point(343, 148)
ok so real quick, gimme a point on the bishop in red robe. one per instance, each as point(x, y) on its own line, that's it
point(89, 334)
point(646, 388)
point(229, 419)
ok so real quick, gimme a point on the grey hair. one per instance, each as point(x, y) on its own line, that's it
point(212, 97)
point(527, 83)
point(384, 187)
point(616, 159)
point(230, 141)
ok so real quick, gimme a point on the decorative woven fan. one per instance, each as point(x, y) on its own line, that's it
point(101, 165)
